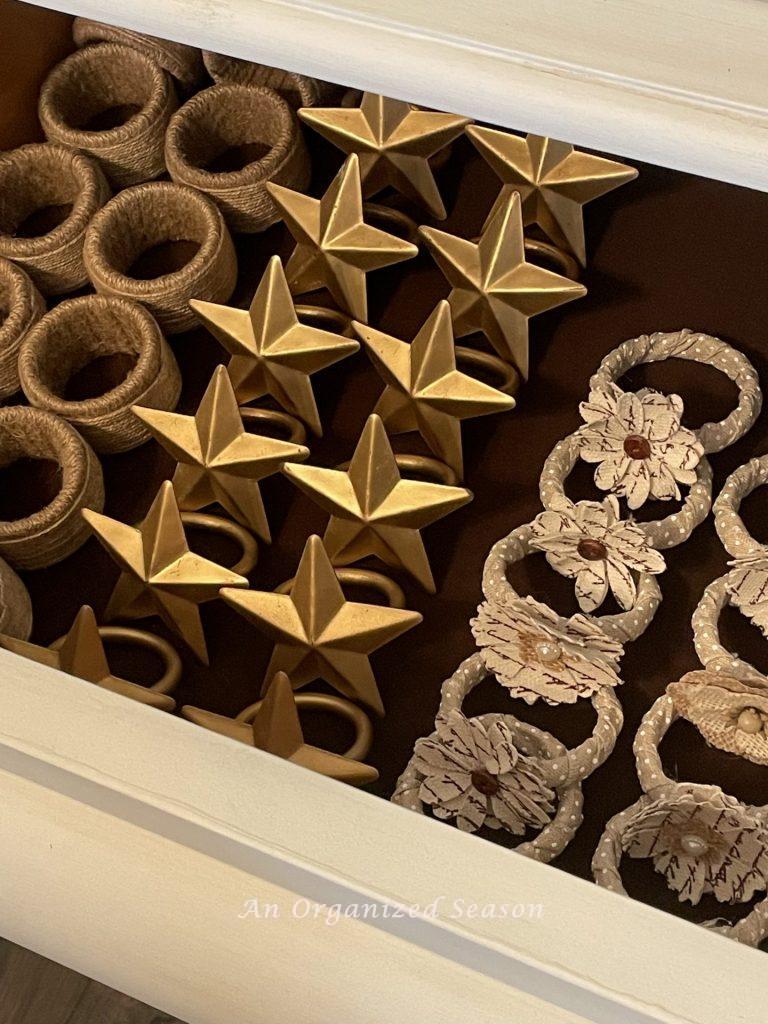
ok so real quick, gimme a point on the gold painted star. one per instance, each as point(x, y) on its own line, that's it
point(161, 576)
point(272, 352)
point(318, 633)
point(554, 181)
point(373, 510)
point(494, 290)
point(219, 461)
point(277, 730)
point(425, 391)
point(81, 653)
point(394, 142)
point(335, 248)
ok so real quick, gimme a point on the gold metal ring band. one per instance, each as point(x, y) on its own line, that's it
point(404, 225)
point(508, 379)
point(563, 260)
point(326, 319)
point(216, 524)
point(361, 578)
point(335, 705)
point(295, 429)
point(139, 638)
point(421, 465)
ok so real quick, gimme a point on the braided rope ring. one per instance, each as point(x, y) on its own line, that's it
point(558, 833)
point(624, 626)
point(733, 534)
point(664, 533)
point(699, 348)
point(706, 635)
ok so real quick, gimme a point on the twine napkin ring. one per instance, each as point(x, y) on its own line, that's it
point(15, 605)
point(50, 534)
point(298, 90)
point(82, 330)
point(21, 306)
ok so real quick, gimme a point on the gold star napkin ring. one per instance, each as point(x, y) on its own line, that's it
point(293, 429)
point(397, 222)
point(77, 332)
point(363, 578)
point(172, 667)
point(698, 348)
point(335, 705)
point(546, 254)
point(227, 528)
point(326, 319)
point(551, 770)
point(504, 375)
point(421, 466)
point(43, 535)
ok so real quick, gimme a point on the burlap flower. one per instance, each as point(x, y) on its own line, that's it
point(639, 444)
point(589, 542)
point(747, 585)
point(537, 653)
point(476, 775)
point(729, 714)
point(702, 841)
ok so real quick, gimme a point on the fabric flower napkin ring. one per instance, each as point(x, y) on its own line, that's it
point(495, 771)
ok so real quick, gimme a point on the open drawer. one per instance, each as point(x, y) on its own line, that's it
point(221, 884)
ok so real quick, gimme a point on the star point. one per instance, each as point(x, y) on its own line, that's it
point(218, 460)
point(493, 288)
point(393, 141)
point(318, 633)
point(160, 575)
point(272, 352)
point(554, 180)
point(373, 510)
point(424, 389)
point(335, 248)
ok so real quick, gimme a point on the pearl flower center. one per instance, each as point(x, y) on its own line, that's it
point(548, 651)
point(637, 447)
point(694, 844)
point(484, 782)
point(750, 721)
point(591, 549)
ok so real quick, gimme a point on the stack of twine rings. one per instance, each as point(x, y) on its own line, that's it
point(144, 218)
point(21, 305)
point(699, 348)
point(74, 335)
point(563, 770)
point(112, 102)
point(53, 532)
point(733, 534)
point(298, 90)
point(185, 63)
point(256, 125)
point(663, 533)
point(48, 196)
point(624, 626)
point(15, 605)
point(659, 791)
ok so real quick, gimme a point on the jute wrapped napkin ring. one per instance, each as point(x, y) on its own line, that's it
point(21, 305)
point(78, 332)
point(298, 90)
point(48, 195)
point(52, 532)
point(15, 605)
point(147, 217)
point(185, 63)
point(114, 103)
point(255, 124)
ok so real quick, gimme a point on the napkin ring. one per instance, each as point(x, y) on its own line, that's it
point(114, 103)
point(397, 222)
point(15, 605)
point(76, 333)
point(392, 593)
point(298, 90)
point(733, 534)
point(668, 532)
point(48, 195)
point(699, 348)
point(420, 466)
point(156, 694)
point(22, 305)
point(293, 429)
point(326, 319)
point(228, 119)
point(706, 634)
point(51, 533)
point(148, 216)
point(334, 705)
point(184, 63)
point(249, 549)
point(531, 762)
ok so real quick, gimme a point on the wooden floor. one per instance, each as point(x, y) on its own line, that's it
point(38, 991)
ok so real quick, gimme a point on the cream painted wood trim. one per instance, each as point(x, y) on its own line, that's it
point(682, 83)
point(130, 839)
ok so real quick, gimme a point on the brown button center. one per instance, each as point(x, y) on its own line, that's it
point(592, 550)
point(485, 783)
point(637, 447)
